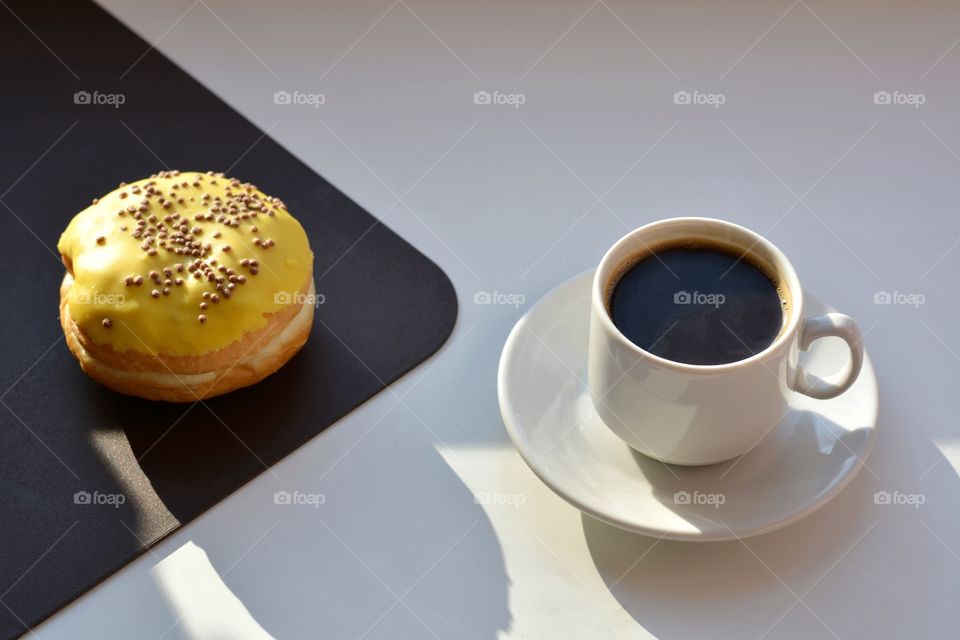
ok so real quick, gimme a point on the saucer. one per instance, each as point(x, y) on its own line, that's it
point(805, 460)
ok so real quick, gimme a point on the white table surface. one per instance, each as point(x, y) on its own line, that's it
point(861, 196)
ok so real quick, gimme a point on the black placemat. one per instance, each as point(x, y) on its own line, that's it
point(387, 308)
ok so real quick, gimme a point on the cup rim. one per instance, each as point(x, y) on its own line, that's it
point(784, 269)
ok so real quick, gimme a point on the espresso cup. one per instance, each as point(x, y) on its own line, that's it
point(693, 414)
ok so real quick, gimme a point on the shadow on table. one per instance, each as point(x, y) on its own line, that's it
point(848, 570)
point(420, 562)
point(299, 570)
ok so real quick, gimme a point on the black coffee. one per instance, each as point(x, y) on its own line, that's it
point(697, 305)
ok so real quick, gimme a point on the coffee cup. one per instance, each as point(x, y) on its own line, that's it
point(691, 413)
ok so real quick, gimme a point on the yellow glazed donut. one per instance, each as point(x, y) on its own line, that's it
point(184, 286)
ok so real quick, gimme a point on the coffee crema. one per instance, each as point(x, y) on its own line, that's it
point(698, 302)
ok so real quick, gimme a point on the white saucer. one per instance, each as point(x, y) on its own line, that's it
point(804, 462)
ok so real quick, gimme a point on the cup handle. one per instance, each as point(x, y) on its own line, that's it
point(830, 324)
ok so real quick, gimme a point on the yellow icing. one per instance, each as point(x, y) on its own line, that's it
point(102, 256)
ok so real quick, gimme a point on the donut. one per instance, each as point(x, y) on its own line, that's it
point(184, 286)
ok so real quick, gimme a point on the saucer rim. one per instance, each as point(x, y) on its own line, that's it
point(668, 533)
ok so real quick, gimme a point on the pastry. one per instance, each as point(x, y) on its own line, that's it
point(184, 286)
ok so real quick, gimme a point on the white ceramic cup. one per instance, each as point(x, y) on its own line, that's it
point(701, 414)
